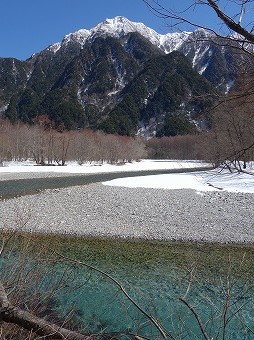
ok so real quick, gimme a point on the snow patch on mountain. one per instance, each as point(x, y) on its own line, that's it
point(3, 109)
point(120, 74)
point(203, 68)
point(29, 73)
point(199, 54)
point(229, 85)
point(14, 70)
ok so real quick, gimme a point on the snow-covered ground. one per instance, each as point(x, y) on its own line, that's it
point(88, 168)
point(209, 180)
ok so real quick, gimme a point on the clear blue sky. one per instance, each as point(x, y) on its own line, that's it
point(28, 26)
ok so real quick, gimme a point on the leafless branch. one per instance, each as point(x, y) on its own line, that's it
point(230, 23)
point(180, 17)
point(5, 241)
point(164, 334)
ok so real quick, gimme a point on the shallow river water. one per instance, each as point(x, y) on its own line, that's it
point(216, 280)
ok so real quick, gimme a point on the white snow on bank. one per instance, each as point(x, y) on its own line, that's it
point(74, 168)
point(211, 180)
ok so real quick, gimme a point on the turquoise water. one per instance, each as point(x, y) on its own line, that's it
point(219, 280)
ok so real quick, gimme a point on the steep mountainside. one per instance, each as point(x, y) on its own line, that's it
point(166, 96)
point(121, 77)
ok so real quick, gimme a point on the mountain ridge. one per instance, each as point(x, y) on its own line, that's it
point(120, 26)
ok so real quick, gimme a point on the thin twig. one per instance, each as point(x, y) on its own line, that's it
point(200, 323)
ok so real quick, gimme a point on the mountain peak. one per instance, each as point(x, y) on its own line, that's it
point(115, 27)
point(120, 26)
point(117, 20)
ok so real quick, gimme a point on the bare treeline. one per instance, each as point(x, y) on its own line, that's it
point(21, 142)
point(230, 143)
point(179, 147)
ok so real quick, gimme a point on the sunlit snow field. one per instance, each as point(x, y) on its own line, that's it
point(200, 181)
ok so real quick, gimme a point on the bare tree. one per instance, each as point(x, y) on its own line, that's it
point(62, 147)
point(178, 147)
point(233, 126)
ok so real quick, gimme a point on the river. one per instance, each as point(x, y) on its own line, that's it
point(154, 274)
point(218, 279)
point(29, 186)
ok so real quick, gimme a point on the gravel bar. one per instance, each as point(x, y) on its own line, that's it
point(152, 214)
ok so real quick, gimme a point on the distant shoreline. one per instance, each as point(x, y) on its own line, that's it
point(135, 240)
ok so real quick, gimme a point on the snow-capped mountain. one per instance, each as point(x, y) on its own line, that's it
point(116, 27)
point(121, 26)
point(118, 76)
point(199, 46)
